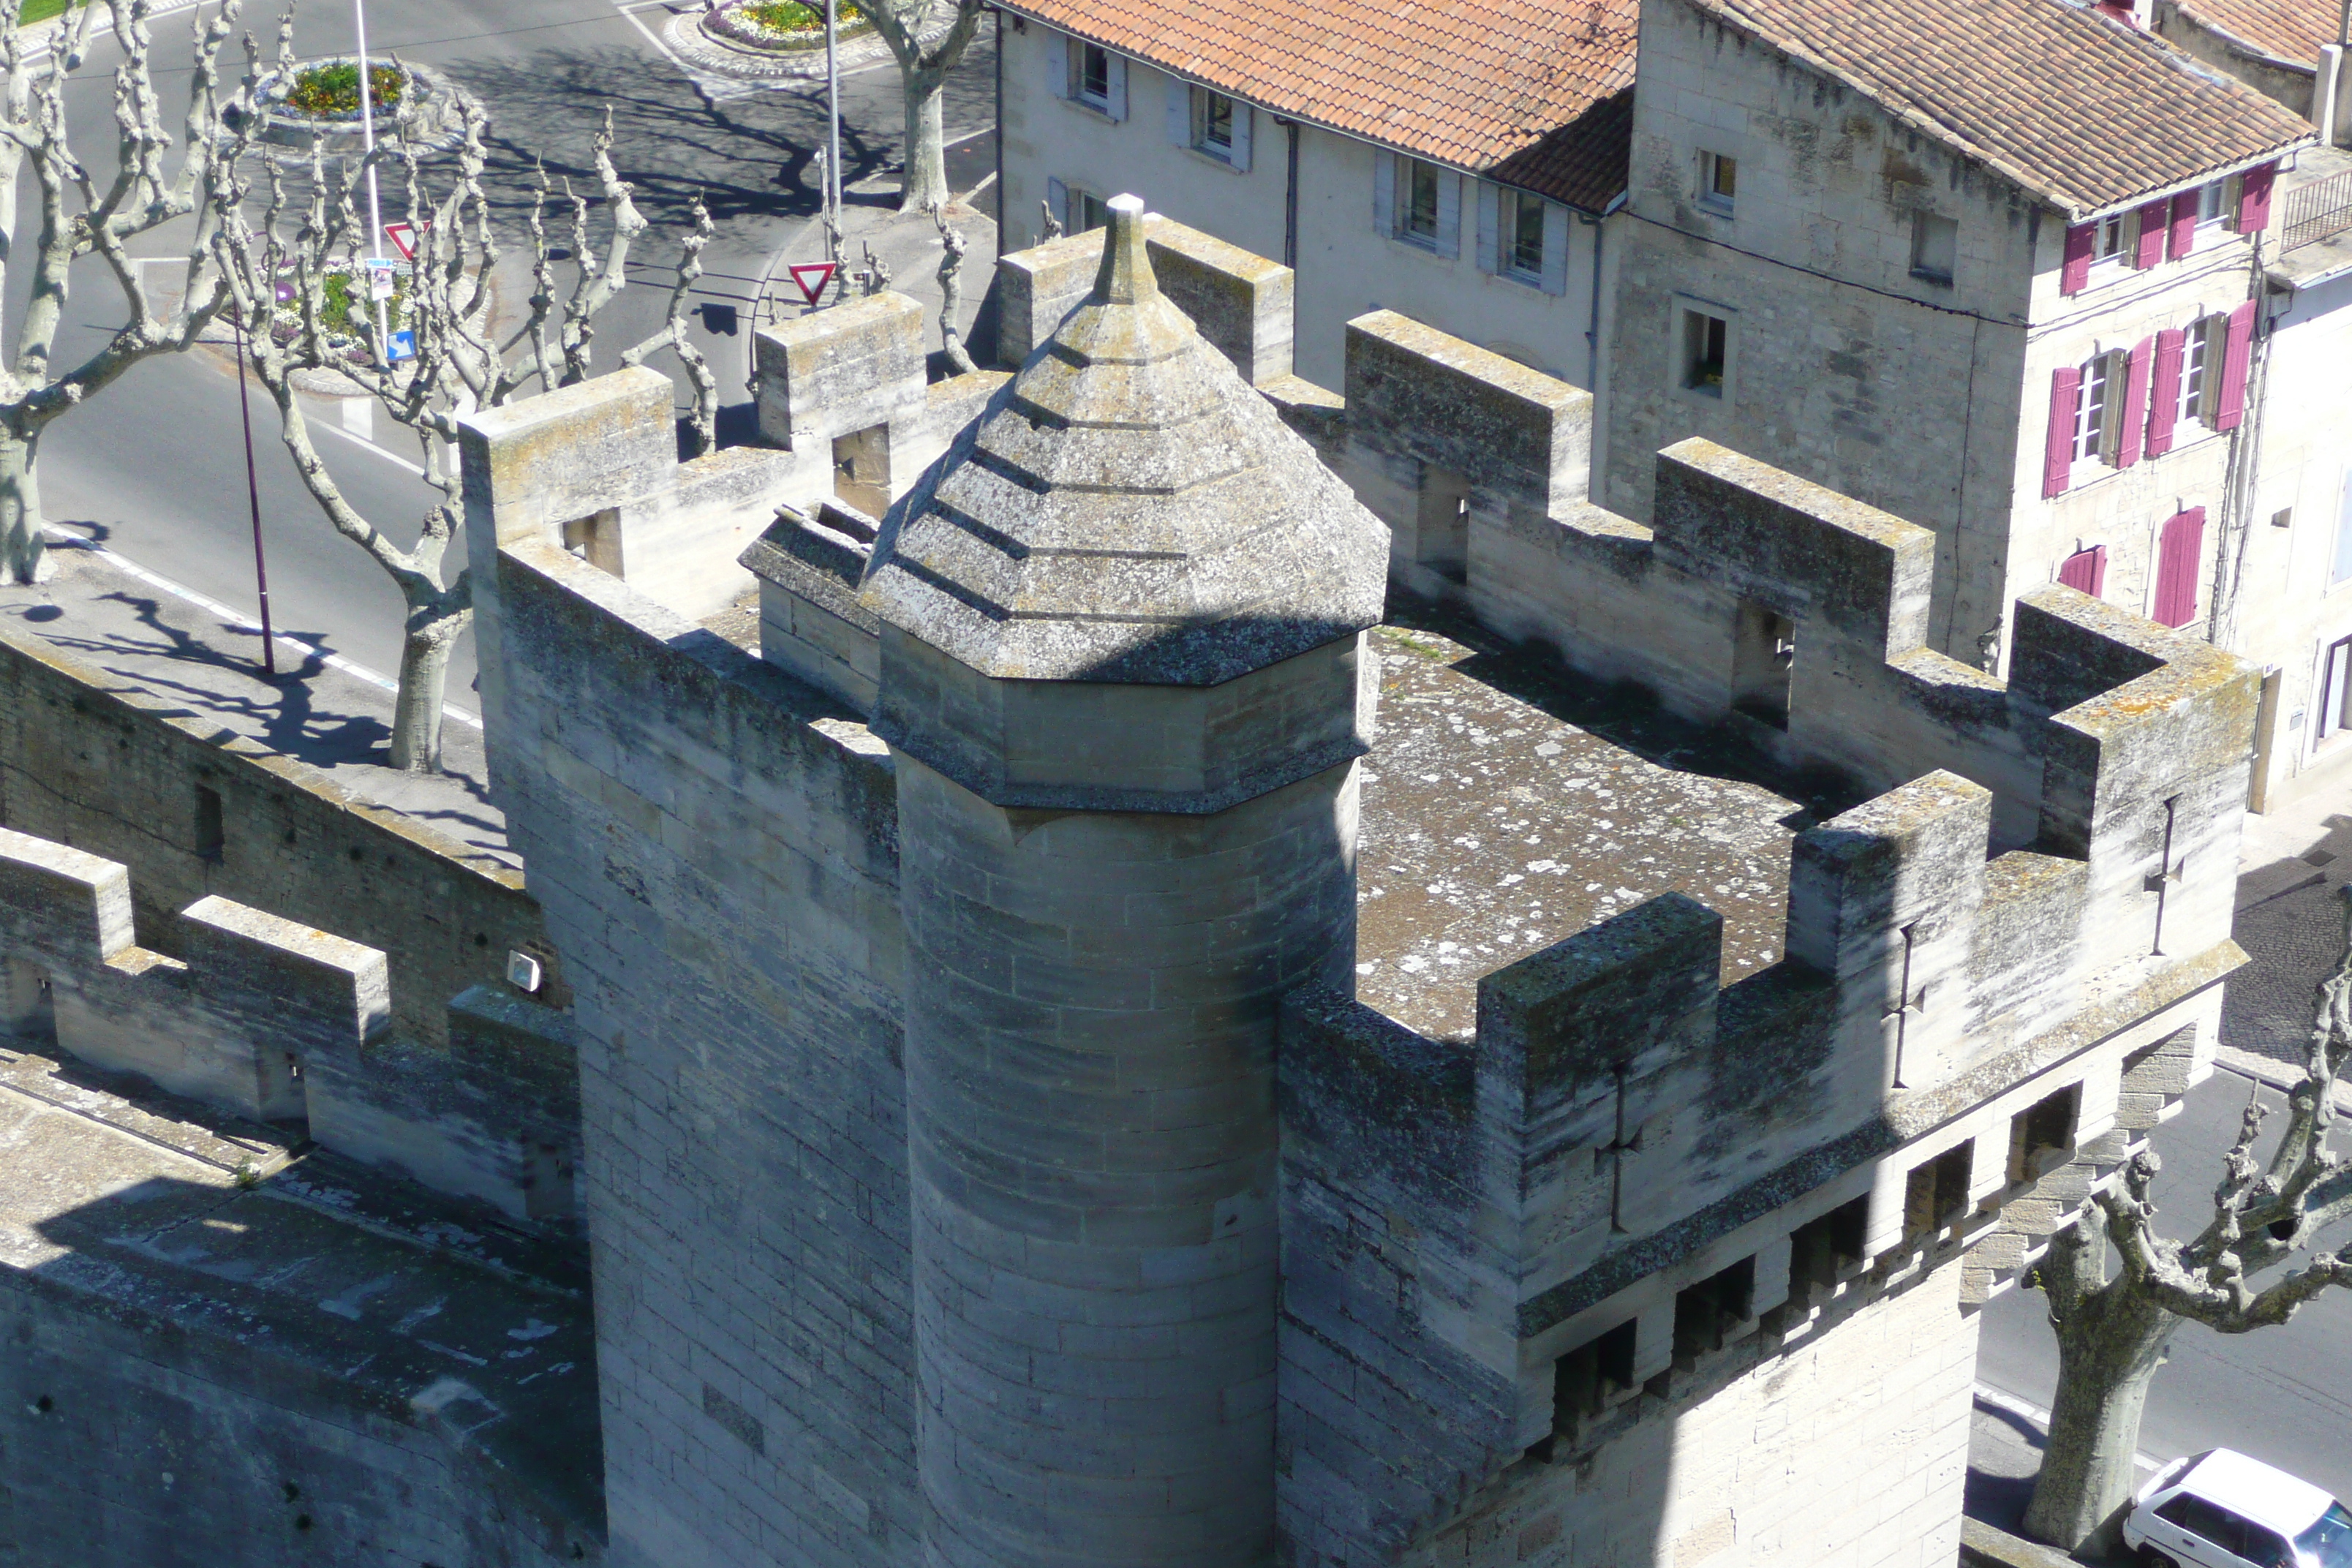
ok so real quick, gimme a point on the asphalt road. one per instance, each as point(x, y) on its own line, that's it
point(2282, 1394)
point(154, 467)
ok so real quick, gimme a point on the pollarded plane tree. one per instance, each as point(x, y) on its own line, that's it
point(926, 52)
point(158, 179)
point(292, 277)
point(2111, 1331)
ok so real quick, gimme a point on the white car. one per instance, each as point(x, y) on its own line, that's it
point(2220, 1510)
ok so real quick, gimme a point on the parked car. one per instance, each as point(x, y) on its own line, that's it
point(2220, 1510)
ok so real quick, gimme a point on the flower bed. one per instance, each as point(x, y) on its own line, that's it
point(344, 285)
point(330, 90)
point(783, 24)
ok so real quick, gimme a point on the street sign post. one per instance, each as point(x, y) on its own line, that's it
point(812, 277)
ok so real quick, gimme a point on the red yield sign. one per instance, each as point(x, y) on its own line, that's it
point(812, 277)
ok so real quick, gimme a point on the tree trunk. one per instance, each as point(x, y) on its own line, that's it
point(23, 556)
point(2108, 1351)
point(927, 160)
point(432, 633)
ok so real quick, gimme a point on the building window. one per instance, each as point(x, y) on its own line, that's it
point(1719, 183)
point(1523, 231)
point(2114, 238)
point(2335, 689)
point(1936, 1194)
point(1090, 75)
point(1934, 247)
point(1707, 342)
point(2096, 410)
point(1417, 201)
point(2217, 201)
point(1213, 124)
point(2343, 563)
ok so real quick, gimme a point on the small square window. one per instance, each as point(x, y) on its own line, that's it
point(1092, 212)
point(2214, 203)
point(1418, 213)
point(2116, 237)
point(1719, 183)
point(1093, 69)
point(1934, 247)
point(1706, 341)
point(1523, 232)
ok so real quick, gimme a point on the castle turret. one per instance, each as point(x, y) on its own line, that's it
point(1124, 681)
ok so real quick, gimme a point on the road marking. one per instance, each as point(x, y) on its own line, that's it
point(987, 180)
point(960, 137)
point(2011, 1404)
point(630, 11)
point(357, 439)
point(238, 619)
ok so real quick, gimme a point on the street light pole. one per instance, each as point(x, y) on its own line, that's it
point(375, 208)
point(253, 492)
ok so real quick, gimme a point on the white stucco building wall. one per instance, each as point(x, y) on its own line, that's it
point(1060, 149)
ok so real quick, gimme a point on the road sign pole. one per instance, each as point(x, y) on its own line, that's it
point(833, 128)
point(375, 208)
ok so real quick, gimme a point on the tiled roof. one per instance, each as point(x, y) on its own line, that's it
point(2084, 112)
point(1470, 83)
point(2282, 30)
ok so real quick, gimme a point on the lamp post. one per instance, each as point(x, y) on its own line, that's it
point(252, 493)
point(833, 142)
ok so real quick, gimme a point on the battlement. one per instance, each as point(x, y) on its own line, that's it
point(272, 1021)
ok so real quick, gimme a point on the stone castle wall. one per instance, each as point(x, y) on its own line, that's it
point(89, 761)
point(719, 861)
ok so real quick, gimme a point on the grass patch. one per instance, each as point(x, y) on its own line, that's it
point(42, 10)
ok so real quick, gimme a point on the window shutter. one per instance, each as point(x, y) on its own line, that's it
point(1057, 63)
point(2058, 456)
point(1555, 273)
point(2254, 199)
point(1490, 201)
point(2085, 571)
point(2175, 567)
point(2331, 701)
point(1114, 100)
point(2148, 250)
point(2182, 237)
point(2164, 394)
point(2076, 271)
point(1242, 113)
point(1058, 197)
point(1180, 112)
point(2236, 356)
point(1449, 213)
point(1384, 178)
point(2127, 445)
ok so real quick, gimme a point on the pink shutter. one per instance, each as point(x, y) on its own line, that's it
point(2254, 199)
point(2164, 394)
point(2143, 359)
point(2235, 358)
point(2183, 235)
point(2076, 271)
point(2153, 218)
point(2085, 571)
point(2058, 457)
point(2175, 567)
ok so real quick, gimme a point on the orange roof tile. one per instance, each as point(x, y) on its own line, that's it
point(1476, 84)
point(2084, 112)
point(2289, 30)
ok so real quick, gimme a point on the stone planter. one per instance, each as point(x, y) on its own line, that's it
point(427, 113)
point(727, 25)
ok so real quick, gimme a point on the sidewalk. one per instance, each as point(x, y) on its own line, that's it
point(2292, 864)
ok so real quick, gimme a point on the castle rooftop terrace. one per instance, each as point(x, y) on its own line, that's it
point(1492, 830)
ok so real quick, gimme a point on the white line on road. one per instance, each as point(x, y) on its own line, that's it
point(651, 37)
point(2011, 1404)
point(240, 620)
point(355, 438)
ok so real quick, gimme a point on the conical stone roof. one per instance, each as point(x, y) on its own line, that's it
point(1128, 508)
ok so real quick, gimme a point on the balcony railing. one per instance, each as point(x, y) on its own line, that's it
point(2317, 211)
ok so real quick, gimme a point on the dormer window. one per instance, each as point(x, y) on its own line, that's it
point(1719, 183)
